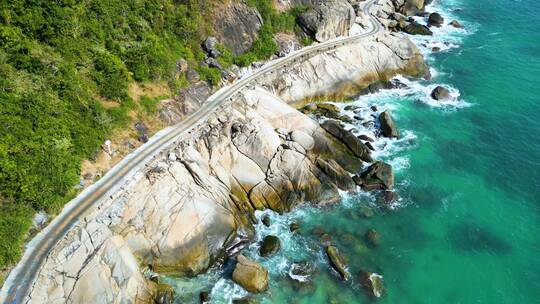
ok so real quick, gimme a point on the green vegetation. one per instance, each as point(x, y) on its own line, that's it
point(65, 70)
point(274, 22)
point(59, 60)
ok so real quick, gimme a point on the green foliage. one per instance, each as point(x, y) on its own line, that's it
point(15, 220)
point(111, 76)
point(227, 57)
point(274, 22)
point(209, 74)
point(307, 41)
point(262, 48)
point(148, 104)
point(58, 59)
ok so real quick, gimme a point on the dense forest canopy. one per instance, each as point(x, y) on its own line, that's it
point(59, 59)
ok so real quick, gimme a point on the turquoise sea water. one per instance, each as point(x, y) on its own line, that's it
point(467, 225)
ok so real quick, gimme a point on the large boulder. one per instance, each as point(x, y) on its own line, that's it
point(336, 173)
point(388, 127)
point(210, 45)
point(352, 142)
point(237, 25)
point(378, 176)
point(440, 93)
point(328, 19)
point(338, 262)
point(283, 5)
point(303, 139)
point(250, 275)
point(412, 7)
point(270, 246)
point(435, 19)
point(187, 102)
point(415, 28)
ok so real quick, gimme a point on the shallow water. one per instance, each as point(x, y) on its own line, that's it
point(466, 228)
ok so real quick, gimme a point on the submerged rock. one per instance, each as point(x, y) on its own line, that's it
point(435, 19)
point(301, 271)
point(366, 211)
point(326, 239)
point(373, 283)
point(352, 142)
point(378, 176)
point(372, 237)
point(270, 246)
point(347, 238)
point(250, 275)
point(415, 28)
point(337, 261)
point(388, 197)
point(388, 127)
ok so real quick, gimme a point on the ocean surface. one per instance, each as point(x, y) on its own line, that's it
point(466, 226)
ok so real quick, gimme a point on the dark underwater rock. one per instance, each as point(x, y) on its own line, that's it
point(372, 237)
point(270, 246)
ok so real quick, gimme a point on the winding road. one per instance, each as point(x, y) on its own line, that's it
point(20, 281)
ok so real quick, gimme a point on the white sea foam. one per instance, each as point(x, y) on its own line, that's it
point(225, 290)
point(445, 37)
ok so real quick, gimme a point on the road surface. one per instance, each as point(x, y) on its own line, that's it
point(20, 280)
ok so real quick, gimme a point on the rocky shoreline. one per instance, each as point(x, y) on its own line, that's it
point(193, 207)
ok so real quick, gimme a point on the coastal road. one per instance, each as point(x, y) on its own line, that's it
point(20, 281)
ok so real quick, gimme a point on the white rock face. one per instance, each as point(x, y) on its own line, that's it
point(184, 212)
point(328, 19)
point(349, 67)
